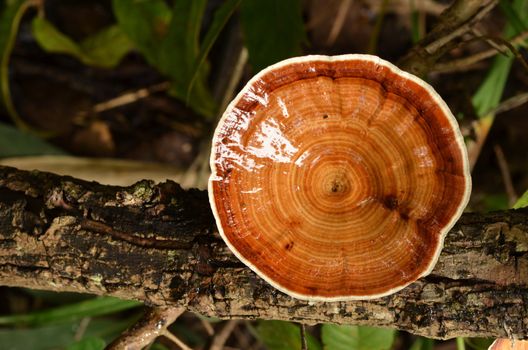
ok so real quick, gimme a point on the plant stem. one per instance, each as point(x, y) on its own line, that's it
point(460, 343)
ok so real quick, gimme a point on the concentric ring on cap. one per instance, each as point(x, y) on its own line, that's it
point(337, 178)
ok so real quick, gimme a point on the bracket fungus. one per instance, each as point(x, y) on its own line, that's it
point(337, 178)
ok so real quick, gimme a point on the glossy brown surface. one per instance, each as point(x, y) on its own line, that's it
point(337, 178)
point(507, 344)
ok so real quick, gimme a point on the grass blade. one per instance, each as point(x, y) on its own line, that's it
point(68, 313)
point(490, 92)
point(517, 23)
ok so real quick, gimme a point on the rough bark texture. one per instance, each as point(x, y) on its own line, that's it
point(158, 244)
point(453, 23)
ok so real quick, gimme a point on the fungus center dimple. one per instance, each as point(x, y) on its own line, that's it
point(337, 184)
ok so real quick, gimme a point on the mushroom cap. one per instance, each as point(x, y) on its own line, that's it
point(337, 177)
point(509, 344)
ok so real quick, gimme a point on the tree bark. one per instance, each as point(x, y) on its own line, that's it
point(452, 24)
point(159, 244)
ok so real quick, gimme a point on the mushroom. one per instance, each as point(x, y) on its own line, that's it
point(337, 178)
point(507, 344)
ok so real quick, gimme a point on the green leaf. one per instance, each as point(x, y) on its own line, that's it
point(422, 344)
point(479, 343)
point(180, 46)
point(179, 54)
point(522, 202)
point(60, 336)
point(273, 30)
point(145, 23)
point(89, 343)
point(16, 143)
point(158, 346)
point(356, 337)
point(494, 202)
point(280, 335)
point(12, 13)
point(56, 298)
point(169, 40)
point(93, 307)
point(104, 49)
point(220, 19)
point(489, 94)
point(52, 40)
point(192, 337)
point(513, 18)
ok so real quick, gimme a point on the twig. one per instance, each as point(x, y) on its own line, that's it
point(496, 42)
point(342, 11)
point(130, 97)
point(304, 344)
point(457, 20)
point(511, 103)
point(207, 326)
point(491, 42)
point(243, 337)
point(124, 99)
point(222, 336)
point(404, 7)
point(481, 128)
point(153, 324)
point(473, 10)
point(506, 175)
point(175, 340)
point(483, 125)
point(464, 63)
point(79, 333)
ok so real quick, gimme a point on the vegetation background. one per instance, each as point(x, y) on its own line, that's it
point(146, 81)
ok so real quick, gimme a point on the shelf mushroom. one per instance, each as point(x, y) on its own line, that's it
point(509, 344)
point(337, 178)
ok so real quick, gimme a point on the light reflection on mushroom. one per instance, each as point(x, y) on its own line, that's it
point(337, 178)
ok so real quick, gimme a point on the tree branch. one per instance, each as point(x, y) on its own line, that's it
point(454, 22)
point(159, 244)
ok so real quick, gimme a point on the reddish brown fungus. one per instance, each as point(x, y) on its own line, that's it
point(367, 159)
